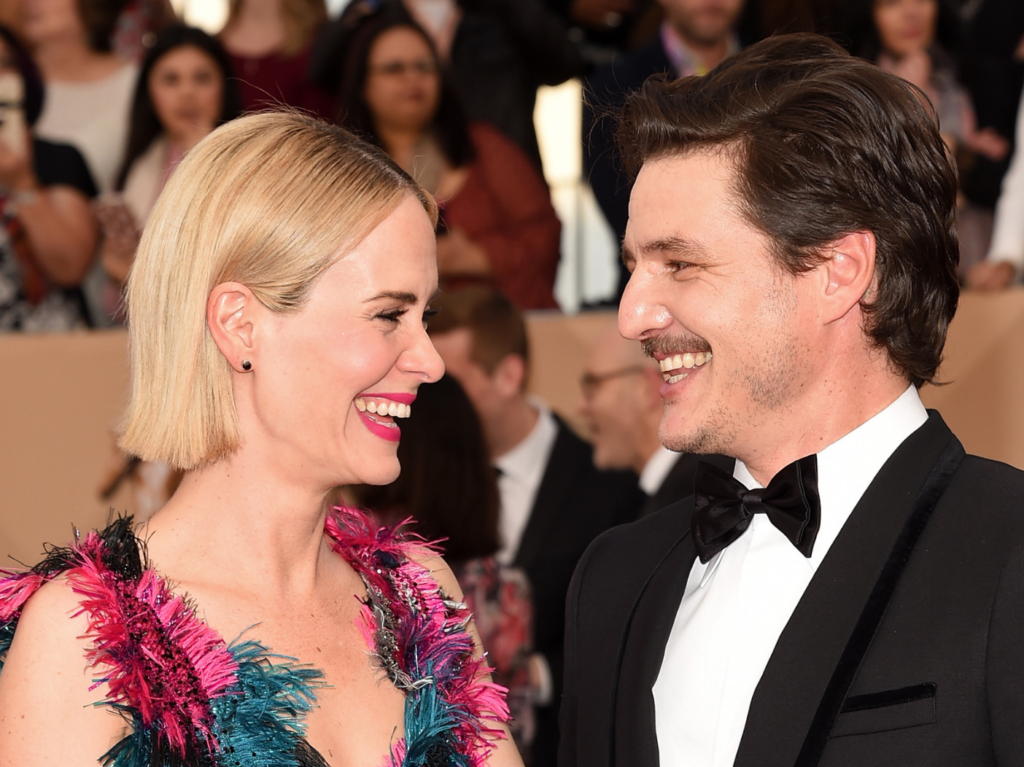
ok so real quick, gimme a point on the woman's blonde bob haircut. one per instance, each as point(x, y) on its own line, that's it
point(271, 201)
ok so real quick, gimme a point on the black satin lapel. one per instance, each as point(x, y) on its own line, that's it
point(554, 493)
point(825, 639)
point(635, 738)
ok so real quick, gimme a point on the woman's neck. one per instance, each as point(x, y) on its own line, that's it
point(400, 143)
point(70, 59)
point(228, 523)
point(257, 30)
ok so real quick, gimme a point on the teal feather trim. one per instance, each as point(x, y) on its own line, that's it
point(258, 721)
point(6, 637)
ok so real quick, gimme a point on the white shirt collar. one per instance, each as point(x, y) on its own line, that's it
point(848, 465)
point(656, 469)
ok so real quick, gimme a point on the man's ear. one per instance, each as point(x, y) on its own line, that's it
point(509, 375)
point(849, 272)
point(230, 313)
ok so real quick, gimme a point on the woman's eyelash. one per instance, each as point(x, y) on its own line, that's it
point(392, 315)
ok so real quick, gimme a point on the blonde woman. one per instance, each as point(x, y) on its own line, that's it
point(276, 311)
point(269, 42)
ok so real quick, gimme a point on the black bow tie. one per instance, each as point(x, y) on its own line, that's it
point(724, 507)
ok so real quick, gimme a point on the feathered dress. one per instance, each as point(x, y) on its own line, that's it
point(190, 699)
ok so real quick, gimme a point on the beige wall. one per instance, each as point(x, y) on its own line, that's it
point(61, 395)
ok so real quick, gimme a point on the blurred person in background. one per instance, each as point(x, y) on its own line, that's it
point(918, 40)
point(88, 88)
point(1005, 260)
point(992, 65)
point(269, 42)
point(88, 98)
point(47, 232)
point(695, 36)
point(554, 501)
point(186, 89)
point(449, 488)
point(497, 221)
point(497, 53)
point(138, 25)
point(620, 401)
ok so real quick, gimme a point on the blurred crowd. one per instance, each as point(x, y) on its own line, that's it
point(101, 99)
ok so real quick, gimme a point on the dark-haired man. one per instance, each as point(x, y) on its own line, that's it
point(793, 220)
point(554, 502)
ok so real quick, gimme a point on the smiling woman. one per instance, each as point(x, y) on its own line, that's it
point(277, 313)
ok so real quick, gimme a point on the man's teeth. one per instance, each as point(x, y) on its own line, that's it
point(688, 360)
point(383, 407)
point(678, 362)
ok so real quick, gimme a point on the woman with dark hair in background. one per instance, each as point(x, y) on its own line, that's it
point(498, 222)
point(186, 89)
point(918, 41)
point(449, 489)
point(47, 232)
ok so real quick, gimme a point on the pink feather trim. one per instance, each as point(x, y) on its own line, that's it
point(432, 625)
point(15, 590)
point(162, 660)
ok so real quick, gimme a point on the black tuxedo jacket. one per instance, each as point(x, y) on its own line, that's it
point(906, 649)
point(678, 483)
point(575, 503)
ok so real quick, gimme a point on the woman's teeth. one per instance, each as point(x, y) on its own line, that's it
point(383, 407)
point(681, 362)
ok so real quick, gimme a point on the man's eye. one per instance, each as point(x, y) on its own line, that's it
point(678, 266)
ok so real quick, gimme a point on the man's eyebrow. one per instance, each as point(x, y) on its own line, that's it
point(394, 295)
point(675, 245)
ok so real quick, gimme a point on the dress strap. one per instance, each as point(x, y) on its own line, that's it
point(418, 636)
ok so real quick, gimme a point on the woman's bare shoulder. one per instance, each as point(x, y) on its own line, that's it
point(47, 711)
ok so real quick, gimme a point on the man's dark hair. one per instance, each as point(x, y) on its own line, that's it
point(496, 325)
point(825, 145)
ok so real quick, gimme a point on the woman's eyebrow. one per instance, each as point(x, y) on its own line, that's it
point(395, 295)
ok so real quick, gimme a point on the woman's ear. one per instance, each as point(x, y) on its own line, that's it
point(230, 315)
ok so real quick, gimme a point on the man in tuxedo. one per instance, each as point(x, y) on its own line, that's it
point(621, 403)
point(554, 502)
point(853, 593)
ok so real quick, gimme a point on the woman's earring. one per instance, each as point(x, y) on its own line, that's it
point(246, 365)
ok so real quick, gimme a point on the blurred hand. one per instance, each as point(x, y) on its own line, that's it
point(457, 254)
point(599, 14)
point(988, 143)
point(990, 275)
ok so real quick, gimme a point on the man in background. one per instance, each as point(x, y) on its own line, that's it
point(554, 502)
point(695, 36)
point(621, 403)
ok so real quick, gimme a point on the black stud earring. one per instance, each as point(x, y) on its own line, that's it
point(246, 365)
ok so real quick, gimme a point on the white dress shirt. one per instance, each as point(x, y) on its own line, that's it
point(735, 607)
point(656, 469)
point(521, 471)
